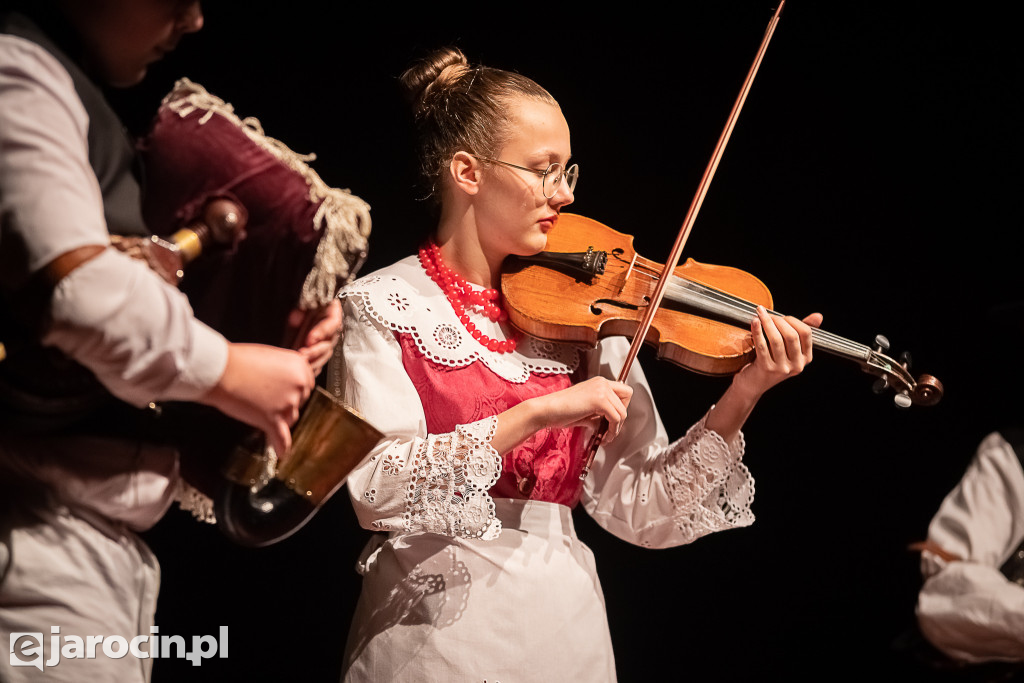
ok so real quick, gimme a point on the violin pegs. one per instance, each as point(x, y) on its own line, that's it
point(902, 400)
point(880, 385)
point(881, 343)
point(906, 359)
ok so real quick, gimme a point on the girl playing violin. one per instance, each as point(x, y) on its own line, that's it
point(478, 573)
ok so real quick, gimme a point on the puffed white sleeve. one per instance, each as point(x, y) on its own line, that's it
point(657, 494)
point(969, 609)
point(412, 480)
point(112, 314)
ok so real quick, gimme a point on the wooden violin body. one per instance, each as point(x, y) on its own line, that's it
point(566, 305)
point(591, 284)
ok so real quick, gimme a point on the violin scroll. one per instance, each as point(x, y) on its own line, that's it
point(928, 391)
point(924, 391)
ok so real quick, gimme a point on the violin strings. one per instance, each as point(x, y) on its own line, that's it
point(704, 297)
point(739, 310)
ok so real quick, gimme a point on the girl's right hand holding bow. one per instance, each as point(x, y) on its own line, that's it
point(579, 404)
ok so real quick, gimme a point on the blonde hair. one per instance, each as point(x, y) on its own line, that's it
point(457, 107)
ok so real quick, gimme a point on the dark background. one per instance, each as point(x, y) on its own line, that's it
point(874, 176)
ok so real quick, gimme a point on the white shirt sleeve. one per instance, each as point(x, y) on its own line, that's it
point(656, 494)
point(968, 609)
point(114, 316)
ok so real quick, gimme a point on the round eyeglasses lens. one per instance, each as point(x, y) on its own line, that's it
point(554, 176)
point(552, 179)
point(571, 176)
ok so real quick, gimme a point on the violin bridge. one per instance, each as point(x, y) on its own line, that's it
point(625, 278)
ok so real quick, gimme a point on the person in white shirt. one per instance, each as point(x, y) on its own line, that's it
point(971, 605)
point(72, 498)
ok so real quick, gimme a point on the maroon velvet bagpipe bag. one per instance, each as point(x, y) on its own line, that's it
point(302, 239)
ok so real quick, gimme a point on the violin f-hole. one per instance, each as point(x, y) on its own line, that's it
point(594, 307)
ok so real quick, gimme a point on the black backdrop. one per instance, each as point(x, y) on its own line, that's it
point(874, 176)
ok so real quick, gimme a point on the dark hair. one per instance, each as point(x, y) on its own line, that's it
point(459, 107)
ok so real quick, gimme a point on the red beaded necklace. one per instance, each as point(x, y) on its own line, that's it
point(461, 295)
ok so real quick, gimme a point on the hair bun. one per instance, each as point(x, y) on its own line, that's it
point(459, 107)
point(435, 73)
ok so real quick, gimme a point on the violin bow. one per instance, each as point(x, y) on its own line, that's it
point(684, 232)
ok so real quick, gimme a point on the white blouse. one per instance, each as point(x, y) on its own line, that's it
point(641, 488)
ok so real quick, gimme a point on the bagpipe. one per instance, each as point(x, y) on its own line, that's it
point(259, 244)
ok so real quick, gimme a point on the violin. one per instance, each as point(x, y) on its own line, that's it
point(590, 283)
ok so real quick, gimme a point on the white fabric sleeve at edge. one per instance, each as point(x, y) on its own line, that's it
point(972, 613)
point(968, 609)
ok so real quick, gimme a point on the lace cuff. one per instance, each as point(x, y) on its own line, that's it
point(451, 475)
point(711, 488)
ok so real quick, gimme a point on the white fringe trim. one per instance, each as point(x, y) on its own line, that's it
point(190, 499)
point(201, 506)
point(344, 217)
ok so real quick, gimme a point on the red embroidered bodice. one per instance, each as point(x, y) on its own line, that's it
point(544, 467)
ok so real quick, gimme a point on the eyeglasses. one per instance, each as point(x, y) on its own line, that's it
point(551, 177)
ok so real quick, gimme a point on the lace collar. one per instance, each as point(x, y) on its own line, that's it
point(402, 298)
